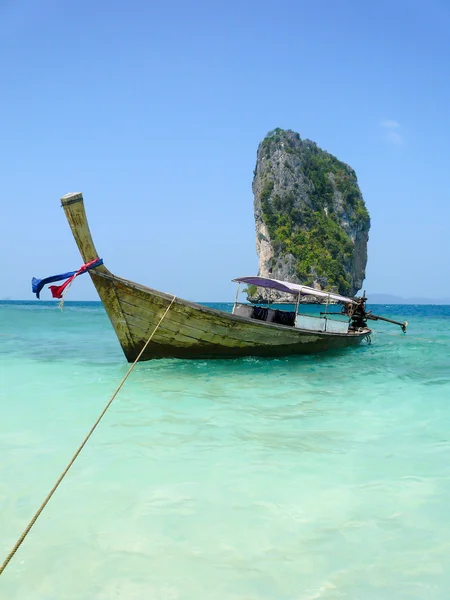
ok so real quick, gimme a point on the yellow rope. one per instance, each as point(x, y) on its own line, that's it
point(74, 457)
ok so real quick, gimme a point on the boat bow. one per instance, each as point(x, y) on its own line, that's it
point(102, 278)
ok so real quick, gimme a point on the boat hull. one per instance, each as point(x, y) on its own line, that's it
point(193, 331)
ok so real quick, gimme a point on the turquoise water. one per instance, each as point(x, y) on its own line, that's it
point(299, 478)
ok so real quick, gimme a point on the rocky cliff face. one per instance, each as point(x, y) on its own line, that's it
point(312, 225)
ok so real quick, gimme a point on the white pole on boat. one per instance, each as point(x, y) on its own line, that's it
point(236, 299)
point(326, 309)
point(296, 306)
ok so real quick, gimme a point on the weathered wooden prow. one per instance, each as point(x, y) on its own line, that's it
point(73, 205)
point(74, 208)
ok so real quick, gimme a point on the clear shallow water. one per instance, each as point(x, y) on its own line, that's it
point(299, 478)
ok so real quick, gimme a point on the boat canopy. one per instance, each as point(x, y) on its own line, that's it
point(292, 288)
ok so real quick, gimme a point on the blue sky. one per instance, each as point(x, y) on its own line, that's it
point(155, 110)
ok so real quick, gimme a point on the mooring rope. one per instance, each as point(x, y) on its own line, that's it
point(80, 448)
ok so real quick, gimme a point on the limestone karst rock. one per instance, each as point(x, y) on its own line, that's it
point(312, 225)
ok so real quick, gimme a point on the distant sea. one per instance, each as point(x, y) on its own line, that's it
point(318, 477)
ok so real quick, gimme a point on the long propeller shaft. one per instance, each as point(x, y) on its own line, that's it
point(372, 317)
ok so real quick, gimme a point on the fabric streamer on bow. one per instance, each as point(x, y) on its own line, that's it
point(59, 291)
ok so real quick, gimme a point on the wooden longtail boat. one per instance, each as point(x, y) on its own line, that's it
point(190, 330)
